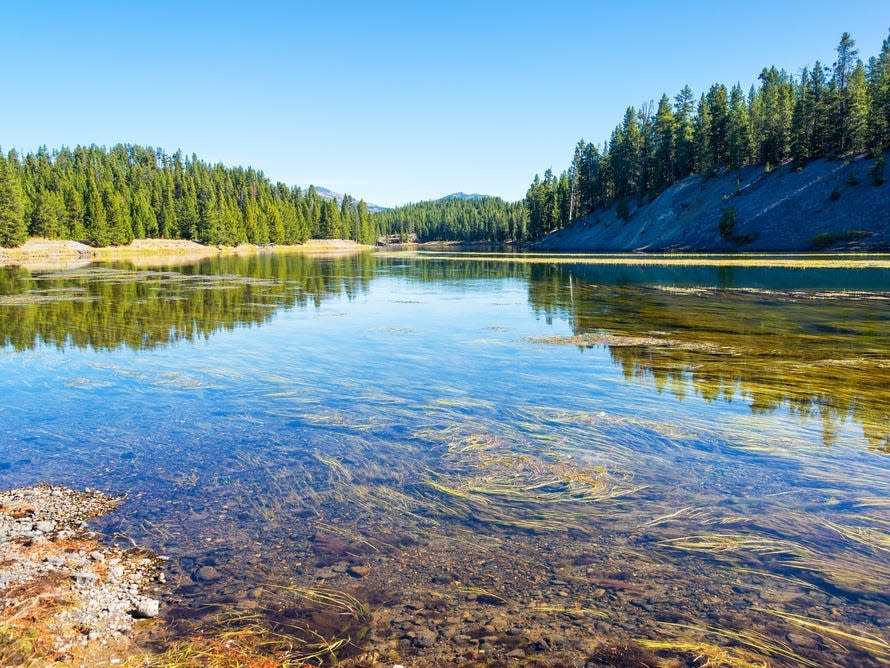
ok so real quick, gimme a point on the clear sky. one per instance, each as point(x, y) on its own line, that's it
point(390, 101)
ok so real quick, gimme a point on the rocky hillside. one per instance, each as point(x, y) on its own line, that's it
point(821, 206)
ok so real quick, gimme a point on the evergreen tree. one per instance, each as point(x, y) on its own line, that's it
point(718, 113)
point(49, 217)
point(858, 111)
point(684, 112)
point(739, 141)
point(843, 72)
point(665, 157)
point(13, 230)
point(704, 158)
point(94, 218)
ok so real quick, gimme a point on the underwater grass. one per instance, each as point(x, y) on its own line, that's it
point(869, 642)
point(754, 650)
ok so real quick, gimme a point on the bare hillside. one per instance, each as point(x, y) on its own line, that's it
point(824, 205)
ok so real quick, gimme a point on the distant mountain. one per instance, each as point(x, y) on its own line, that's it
point(330, 194)
point(465, 196)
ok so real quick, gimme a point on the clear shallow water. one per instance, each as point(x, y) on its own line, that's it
point(723, 480)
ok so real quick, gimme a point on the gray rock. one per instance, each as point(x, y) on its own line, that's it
point(207, 574)
point(424, 638)
point(44, 526)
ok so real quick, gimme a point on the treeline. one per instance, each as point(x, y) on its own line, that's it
point(456, 219)
point(106, 197)
point(824, 112)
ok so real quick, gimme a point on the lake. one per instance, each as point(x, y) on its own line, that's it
point(454, 456)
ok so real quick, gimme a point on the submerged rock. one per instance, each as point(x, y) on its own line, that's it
point(207, 574)
point(359, 570)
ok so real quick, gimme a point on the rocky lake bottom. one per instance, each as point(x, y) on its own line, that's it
point(433, 459)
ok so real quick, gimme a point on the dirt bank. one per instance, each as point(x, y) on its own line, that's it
point(38, 253)
point(824, 205)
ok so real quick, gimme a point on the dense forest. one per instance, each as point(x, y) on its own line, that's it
point(824, 112)
point(456, 219)
point(112, 196)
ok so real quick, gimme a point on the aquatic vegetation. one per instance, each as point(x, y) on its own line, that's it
point(708, 454)
point(874, 644)
point(753, 649)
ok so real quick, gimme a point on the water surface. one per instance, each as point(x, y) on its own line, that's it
point(487, 453)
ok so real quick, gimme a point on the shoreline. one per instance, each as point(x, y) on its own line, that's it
point(37, 252)
point(68, 595)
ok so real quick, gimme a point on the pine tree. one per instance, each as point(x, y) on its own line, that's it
point(718, 110)
point(94, 218)
point(858, 111)
point(879, 90)
point(843, 72)
point(49, 216)
point(145, 222)
point(13, 230)
point(120, 231)
point(366, 232)
point(74, 210)
point(704, 158)
point(739, 132)
point(665, 157)
point(684, 109)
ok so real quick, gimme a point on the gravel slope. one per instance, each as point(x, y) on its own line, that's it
point(787, 209)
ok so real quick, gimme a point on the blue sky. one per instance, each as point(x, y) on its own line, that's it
point(393, 102)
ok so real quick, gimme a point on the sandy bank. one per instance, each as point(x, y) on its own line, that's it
point(39, 253)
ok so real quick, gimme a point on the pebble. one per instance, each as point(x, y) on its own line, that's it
point(105, 607)
point(488, 599)
point(84, 577)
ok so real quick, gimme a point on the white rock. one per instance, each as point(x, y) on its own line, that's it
point(147, 608)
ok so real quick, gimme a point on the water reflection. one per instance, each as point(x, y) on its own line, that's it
point(107, 306)
point(812, 341)
point(816, 346)
point(384, 428)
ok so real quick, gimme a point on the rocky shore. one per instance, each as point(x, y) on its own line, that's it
point(65, 596)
